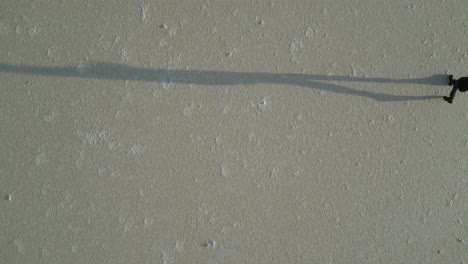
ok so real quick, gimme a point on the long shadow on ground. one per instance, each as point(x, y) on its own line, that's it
point(111, 71)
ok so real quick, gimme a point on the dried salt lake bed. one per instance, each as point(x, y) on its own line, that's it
point(233, 132)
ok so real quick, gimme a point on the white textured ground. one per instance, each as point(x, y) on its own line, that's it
point(233, 131)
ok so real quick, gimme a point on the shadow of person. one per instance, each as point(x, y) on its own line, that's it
point(112, 71)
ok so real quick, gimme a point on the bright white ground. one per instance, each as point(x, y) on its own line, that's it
point(233, 131)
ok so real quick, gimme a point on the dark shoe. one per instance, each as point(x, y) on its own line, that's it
point(450, 80)
point(448, 99)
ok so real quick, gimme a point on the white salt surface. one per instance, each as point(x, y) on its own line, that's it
point(233, 132)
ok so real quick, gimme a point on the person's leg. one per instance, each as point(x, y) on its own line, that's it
point(454, 89)
point(449, 99)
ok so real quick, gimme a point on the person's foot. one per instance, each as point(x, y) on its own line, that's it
point(448, 99)
point(450, 80)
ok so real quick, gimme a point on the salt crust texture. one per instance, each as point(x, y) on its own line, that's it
point(233, 131)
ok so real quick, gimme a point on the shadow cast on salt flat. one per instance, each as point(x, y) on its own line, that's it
point(111, 71)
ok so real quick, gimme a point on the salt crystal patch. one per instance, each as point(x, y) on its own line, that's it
point(252, 137)
point(389, 119)
point(167, 84)
point(147, 222)
point(309, 32)
point(274, 171)
point(162, 43)
point(261, 104)
point(123, 55)
point(166, 259)
point(179, 246)
point(89, 138)
point(225, 110)
point(223, 169)
point(33, 32)
point(2, 27)
point(259, 21)
point(41, 159)
point(155, 94)
point(81, 68)
point(295, 45)
point(48, 118)
point(137, 148)
point(19, 246)
point(144, 11)
point(294, 48)
point(169, 30)
point(94, 137)
point(210, 243)
point(297, 173)
point(188, 110)
point(108, 172)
